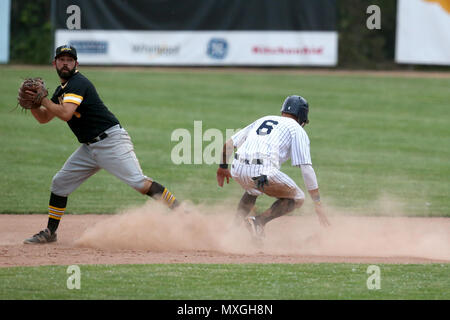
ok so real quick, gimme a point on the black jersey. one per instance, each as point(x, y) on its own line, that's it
point(91, 117)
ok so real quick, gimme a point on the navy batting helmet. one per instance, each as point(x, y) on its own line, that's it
point(297, 106)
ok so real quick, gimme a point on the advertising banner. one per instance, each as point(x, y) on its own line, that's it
point(423, 35)
point(202, 47)
point(199, 32)
point(5, 11)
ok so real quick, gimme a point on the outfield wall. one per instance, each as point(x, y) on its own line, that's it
point(199, 32)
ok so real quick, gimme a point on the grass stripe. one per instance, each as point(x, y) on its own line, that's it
point(217, 281)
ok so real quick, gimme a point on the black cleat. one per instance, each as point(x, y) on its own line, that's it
point(45, 236)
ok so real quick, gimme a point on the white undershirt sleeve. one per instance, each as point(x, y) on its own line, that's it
point(309, 176)
point(300, 153)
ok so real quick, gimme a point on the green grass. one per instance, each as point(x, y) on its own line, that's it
point(370, 137)
point(227, 282)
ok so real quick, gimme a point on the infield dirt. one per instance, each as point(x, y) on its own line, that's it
point(151, 234)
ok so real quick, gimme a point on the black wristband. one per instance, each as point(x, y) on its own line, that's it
point(223, 165)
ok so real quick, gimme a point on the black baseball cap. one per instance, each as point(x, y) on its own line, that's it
point(66, 49)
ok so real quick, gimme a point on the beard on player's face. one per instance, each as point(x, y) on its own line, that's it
point(65, 73)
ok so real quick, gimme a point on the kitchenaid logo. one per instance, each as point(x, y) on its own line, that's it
point(158, 49)
point(287, 51)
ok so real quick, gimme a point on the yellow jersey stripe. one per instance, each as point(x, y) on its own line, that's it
point(73, 95)
point(72, 100)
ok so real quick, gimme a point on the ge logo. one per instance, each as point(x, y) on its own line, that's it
point(217, 48)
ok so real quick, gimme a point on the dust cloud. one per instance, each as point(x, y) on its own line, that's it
point(152, 227)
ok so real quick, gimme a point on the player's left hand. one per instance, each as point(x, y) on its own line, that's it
point(321, 215)
point(31, 93)
point(221, 175)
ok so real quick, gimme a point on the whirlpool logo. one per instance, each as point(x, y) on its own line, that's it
point(217, 48)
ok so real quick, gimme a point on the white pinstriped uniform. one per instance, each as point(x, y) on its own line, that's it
point(272, 140)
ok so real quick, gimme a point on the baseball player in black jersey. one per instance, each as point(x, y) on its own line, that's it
point(104, 142)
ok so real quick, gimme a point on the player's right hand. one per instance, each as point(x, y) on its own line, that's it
point(322, 217)
point(221, 175)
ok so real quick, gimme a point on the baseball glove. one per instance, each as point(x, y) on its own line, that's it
point(31, 93)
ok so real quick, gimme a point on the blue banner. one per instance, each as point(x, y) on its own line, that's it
point(5, 12)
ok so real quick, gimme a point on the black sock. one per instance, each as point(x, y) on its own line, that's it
point(158, 192)
point(56, 208)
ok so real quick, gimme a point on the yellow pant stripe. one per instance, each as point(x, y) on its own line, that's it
point(56, 208)
point(53, 216)
point(168, 197)
point(172, 201)
point(55, 212)
point(59, 214)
